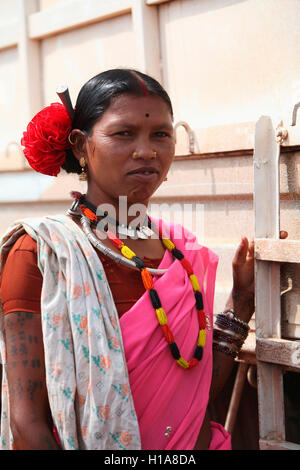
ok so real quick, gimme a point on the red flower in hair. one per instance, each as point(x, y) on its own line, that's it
point(46, 139)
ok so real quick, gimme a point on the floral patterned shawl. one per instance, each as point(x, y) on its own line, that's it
point(86, 371)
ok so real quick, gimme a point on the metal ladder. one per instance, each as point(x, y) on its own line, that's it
point(273, 353)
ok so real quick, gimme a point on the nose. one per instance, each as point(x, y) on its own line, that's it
point(143, 147)
point(144, 154)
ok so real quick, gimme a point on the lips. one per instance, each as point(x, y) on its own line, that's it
point(143, 170)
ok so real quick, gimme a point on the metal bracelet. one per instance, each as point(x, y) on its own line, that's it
point(224, 348)
point(224, 335)
point(230, 313)
point(224, 322)
point(229, 331)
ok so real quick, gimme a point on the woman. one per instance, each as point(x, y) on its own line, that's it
point(98, 354)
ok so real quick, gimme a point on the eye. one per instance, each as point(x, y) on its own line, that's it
point(123, 133)
point(162, 134)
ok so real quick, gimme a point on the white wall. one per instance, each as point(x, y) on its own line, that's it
point(224, 64)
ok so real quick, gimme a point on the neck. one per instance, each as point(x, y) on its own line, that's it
point(121, 209)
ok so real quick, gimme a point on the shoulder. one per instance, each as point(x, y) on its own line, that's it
point(25, 243)
point(49, 228)
point(22, 236)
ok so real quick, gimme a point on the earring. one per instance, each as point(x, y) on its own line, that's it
point(83, 175)
point(154, 154)
point(72, 142)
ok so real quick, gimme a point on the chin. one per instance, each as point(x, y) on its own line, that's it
point(141, 195)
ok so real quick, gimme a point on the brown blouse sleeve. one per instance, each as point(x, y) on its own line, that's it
point(21, 280)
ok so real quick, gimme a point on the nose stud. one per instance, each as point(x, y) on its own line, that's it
point(135, 155)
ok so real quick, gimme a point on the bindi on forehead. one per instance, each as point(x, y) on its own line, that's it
point(147, 114)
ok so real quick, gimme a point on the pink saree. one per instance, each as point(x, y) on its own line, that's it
point(171, 402)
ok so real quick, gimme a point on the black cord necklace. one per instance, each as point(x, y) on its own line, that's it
point(143, 231)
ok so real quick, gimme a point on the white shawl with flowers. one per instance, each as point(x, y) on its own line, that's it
point(86, 371)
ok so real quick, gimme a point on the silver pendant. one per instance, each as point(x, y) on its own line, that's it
point(131, 232)
point(141, 235)
point(146, 230)
point(122, 230)
point(127, 231)
point(143, 232)
point(86, 226)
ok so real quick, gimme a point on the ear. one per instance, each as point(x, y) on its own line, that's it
point(77, 140)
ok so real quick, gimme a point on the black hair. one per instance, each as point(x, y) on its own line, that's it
point(96, 95)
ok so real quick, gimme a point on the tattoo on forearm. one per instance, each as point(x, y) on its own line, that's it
point(35, 363)
point(23, 349)
point(24, 353)
point(33, 386)
point(19, 342)
point(17, 389)
point(33, 339)
point(23, 316)
point(19, 318)
point(22, 335)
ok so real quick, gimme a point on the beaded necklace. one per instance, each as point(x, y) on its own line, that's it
point(89, 210)
point(147, 280)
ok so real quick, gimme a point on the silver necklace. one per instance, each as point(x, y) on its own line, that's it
point(95, 241)
point(143, 232)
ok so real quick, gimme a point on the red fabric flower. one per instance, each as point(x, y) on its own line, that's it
point(46, 139)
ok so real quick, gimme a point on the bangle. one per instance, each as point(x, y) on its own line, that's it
point(225, 335)
point(224, 322)
point(224, 348)
point(233, 334)
point(230, 313)
point(229, 333)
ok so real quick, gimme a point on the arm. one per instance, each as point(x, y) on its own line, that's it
point(30, 416)
point(223, 364)
point(241, 300)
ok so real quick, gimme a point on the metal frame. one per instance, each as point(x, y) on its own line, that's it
point(272, 352)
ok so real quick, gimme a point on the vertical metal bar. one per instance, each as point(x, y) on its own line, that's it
point(267, 277)
point(266, 180)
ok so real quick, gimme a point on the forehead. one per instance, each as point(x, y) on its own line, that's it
point(132, 107)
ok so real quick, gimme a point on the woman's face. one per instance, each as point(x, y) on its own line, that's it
point(130, 150)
